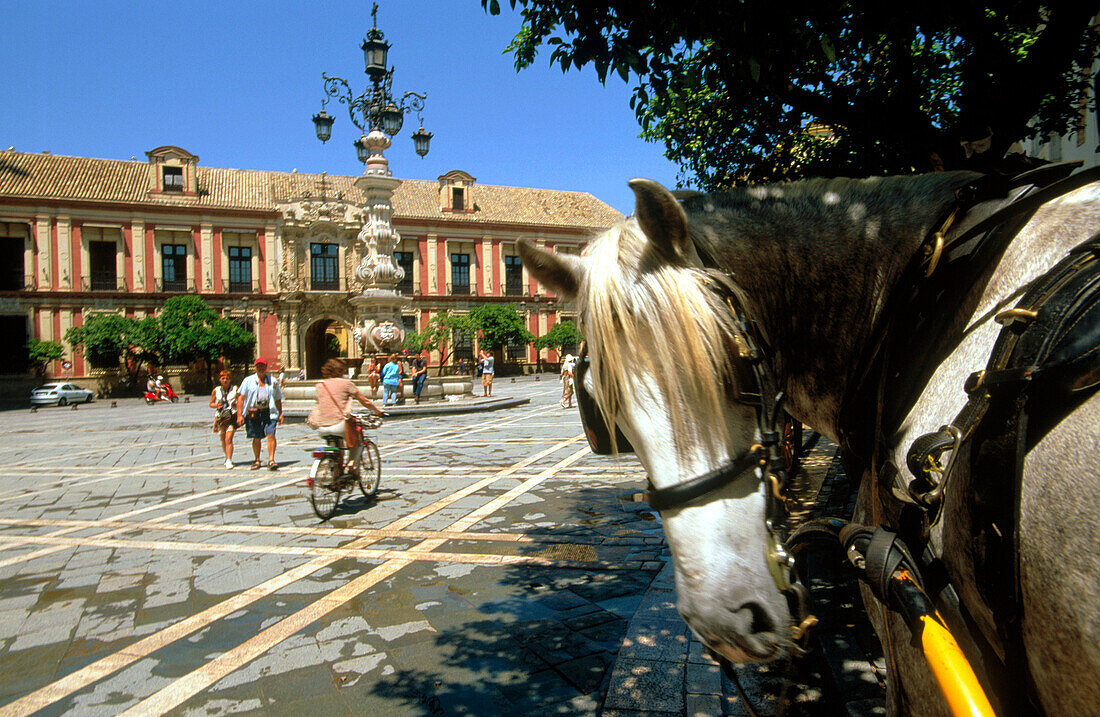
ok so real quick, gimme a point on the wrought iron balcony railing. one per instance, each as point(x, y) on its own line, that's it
point(229, 286)
point(515, 288)
point(175, 285)
point(461, 289)
point(103, 281)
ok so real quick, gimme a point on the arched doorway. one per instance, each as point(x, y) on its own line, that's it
point(325, 339)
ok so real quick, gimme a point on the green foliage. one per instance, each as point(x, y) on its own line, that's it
point(185, 330)
point(757, 90)
point(104, 339)
point(499, 324)
point(563, 333)
point(41, 353)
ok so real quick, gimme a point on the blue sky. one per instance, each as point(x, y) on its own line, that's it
point(237, 82)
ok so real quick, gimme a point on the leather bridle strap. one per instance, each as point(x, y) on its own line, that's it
point(681, 494)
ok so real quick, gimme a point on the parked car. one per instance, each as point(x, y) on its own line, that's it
point(60, 393)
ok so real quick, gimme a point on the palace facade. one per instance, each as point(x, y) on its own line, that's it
point(276, 251)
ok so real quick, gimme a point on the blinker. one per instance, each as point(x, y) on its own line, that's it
point(592, 418)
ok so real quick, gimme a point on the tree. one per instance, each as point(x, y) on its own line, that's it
point(437, 333)
point(103, 339)
point(563, 333)
point(499, 324)
point(41, 353)
point(759, 91)
point(185, 322)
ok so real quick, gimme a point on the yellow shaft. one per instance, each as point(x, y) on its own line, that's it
point(953, 673)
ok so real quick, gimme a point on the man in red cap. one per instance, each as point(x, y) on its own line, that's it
point(260, 411)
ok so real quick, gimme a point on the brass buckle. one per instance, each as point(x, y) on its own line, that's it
point(1025, 316)
point(934, 252)
point(934, 468)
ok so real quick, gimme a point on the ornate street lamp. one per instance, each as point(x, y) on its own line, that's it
point(375, 109)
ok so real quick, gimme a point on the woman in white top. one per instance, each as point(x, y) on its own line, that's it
point(567, 381)
point(222, 400)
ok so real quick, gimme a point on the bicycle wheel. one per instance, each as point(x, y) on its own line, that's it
point(370, 469)
point(324, 495)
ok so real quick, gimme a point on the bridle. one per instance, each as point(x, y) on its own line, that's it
point(753, 385)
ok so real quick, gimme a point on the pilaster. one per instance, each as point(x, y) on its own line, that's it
point(137, 241)
point(487, 265)
point(206, 238)
point(45, 251)
point(433, 268)
point(64, 253)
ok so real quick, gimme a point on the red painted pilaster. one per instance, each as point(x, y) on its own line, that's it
point(498, 269)
point(150, 259)
point(422, 252)
point(74, 236)
point(217, 260)
point(128, 256)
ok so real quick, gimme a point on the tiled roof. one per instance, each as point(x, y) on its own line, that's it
point(46, 176)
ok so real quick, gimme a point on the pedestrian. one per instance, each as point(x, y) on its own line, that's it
point(391, 379)
point(567, 381)
point(260, 411)
point(282, 378)
point(486, 374)
point(223, 400)
point(373, 372)
point(420, 373)
point(402, 366)
point(462, 367)
point(301, 374)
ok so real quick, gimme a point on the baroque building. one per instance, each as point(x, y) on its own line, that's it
point(278, 251)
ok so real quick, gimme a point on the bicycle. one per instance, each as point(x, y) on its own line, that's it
point(329, 476)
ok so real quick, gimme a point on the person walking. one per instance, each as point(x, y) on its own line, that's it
point(391, 380)
point(260, 411)
point(420, 373)
point(486, 374)
point(334, 393)
point(223, 400)
point(567, 381)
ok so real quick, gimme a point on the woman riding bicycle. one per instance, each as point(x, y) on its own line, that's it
point(333, 394)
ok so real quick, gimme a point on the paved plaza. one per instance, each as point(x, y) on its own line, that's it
point(503, 569)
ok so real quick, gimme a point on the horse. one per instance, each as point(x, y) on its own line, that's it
point(818, 268)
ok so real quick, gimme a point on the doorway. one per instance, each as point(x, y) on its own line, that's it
point(325, 339)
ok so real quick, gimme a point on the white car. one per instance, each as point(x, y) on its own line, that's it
point(61, 394)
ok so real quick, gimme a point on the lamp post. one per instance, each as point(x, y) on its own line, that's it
point(375, 109)
point(378, 115)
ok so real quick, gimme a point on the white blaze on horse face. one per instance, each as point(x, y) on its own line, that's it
point(724, 589)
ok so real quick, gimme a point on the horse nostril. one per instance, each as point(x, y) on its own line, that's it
point(758, 618)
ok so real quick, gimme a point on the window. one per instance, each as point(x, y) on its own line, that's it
point(513, 276)
point(173, 179)
point(174, 266)
point(11, 261)
point(409, 324)
point(464, 346)
point(324, 273)
point(240, 269)
point(517, 349)
point(404, 260)
point(460, 274)
point(458, 199)
point(102, 266)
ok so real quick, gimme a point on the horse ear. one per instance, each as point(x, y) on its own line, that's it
point(560, 272)
point(661, 217)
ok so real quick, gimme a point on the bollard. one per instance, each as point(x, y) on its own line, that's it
point(34, 409)
point(187, 399)
point(537, 377)
point(72, 407)
point(114, 404)
point(513, 379)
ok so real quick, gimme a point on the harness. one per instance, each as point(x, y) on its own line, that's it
point(753, 385)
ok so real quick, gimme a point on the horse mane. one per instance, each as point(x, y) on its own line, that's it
point(644, 314)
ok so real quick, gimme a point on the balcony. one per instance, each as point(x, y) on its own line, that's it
point(515, 288)
point(230, 286)
point(461, 290)
point(173, 286)
point(102, 281)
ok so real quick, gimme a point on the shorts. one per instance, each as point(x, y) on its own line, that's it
point(486, 379)
point(260, 427)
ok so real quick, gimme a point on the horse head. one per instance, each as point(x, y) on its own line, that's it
point(659, 339)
